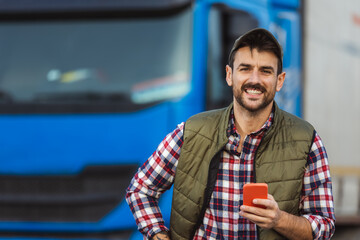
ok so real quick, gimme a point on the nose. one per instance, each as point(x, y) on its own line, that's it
point(255, 76)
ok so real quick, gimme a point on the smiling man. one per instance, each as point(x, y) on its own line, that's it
point(213, 154)
point(254, 79)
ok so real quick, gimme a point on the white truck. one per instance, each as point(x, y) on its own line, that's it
point(331, 76)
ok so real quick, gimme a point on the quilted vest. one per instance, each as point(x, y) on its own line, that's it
point(280, 161)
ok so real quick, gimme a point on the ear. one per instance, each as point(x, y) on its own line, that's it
point(280, 81)
point(229, 75)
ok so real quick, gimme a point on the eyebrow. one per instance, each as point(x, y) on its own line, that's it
point(261, 67)
point(243, 65)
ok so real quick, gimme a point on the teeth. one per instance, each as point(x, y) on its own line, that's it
point(253, 91)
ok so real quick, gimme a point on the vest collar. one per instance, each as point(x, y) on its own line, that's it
point(230, 129)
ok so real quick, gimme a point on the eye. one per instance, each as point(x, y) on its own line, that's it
point(267, 71)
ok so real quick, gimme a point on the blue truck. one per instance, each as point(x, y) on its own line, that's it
point(89, 88)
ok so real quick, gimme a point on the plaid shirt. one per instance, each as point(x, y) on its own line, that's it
point(222, 219)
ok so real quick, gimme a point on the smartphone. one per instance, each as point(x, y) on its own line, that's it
point(254, 190)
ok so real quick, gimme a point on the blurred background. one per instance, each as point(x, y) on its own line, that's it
point(89, 88)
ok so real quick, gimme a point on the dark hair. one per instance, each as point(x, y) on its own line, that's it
point(260, 39)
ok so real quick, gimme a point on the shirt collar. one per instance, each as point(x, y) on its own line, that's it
point(231, 130)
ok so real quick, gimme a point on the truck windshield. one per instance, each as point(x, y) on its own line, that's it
point(115, 65)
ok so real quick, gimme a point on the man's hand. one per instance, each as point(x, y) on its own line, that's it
point(161, 236)
point(288, 225)
point(265, 218)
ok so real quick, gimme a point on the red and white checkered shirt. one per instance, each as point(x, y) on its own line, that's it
point(222, 219)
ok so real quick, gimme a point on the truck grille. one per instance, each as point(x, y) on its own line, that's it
point(86, 197)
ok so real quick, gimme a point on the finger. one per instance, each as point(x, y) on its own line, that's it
point(263, 221)
point(267, 214)
point(269, 203)
point(263, 202)
point(270, 197)
point(257, 219)
point(253, 210)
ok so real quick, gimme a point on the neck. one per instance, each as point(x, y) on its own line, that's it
point(247, 122)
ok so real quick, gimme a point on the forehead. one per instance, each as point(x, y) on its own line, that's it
point(254, 57)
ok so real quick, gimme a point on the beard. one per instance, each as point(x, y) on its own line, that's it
point(253, 107)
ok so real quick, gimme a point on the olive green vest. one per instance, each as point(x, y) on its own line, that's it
point(280, 162)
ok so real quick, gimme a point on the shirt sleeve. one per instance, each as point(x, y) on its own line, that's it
point(153, 178)
point(317, 203)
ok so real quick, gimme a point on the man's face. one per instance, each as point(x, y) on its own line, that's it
point(254, 79)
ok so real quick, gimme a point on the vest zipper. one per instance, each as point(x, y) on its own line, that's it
point(254, 175)
point(255, 154)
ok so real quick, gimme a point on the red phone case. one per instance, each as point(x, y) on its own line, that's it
point(254, 190)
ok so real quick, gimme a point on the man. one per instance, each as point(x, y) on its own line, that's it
point(211, 156)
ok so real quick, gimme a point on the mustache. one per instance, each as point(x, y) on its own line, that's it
point(256, 86)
